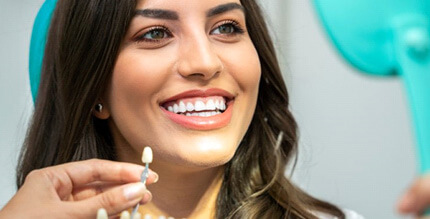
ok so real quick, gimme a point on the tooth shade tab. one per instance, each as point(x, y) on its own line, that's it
point(147, 155)
point(197, 105)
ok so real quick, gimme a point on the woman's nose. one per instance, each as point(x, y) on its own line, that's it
point(197, 58)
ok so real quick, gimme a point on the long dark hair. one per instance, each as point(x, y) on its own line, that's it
point(83, 44)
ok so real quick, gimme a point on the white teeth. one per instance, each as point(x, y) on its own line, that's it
point(182, 107)
point(190, 107)
point(175, 108)
point(222, 105)
point(217, 104)
point(203, 114)
point(199, 106)
point(210, 105)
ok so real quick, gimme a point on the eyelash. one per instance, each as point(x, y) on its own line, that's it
point(141, 38)
point(237, 29)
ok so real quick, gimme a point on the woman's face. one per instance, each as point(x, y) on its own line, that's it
point(185, 82)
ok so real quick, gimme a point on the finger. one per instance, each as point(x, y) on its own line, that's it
point(116, 200)
point(417, 198)
point(93, 189)
point(421, 195)
point(88, 171)
point(65, 177)
point(406, 203)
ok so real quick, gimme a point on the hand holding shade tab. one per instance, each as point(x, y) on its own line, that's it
point(146, 159)
point(387, 38)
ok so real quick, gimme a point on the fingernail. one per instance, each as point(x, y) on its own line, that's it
point(134, 191)
point(147, 197)
point(156, 177)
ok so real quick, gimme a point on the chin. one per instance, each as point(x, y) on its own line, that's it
point(208, 160)
point(202, 153)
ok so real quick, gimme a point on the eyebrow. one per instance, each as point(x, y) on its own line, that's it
point(158, 13)
point(172, 15)
point(224, 8)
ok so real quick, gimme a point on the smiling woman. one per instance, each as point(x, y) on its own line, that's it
point(198, 81)
point(180, 56)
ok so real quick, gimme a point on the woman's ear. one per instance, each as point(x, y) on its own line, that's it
point(100, 111)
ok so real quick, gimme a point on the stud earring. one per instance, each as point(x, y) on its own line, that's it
point(99, 107)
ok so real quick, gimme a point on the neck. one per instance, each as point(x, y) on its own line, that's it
point(184, 194)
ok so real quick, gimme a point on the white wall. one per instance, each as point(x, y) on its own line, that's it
point(356, 146)
point(16, 20)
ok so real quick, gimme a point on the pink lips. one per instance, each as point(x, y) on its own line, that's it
point(198, 122)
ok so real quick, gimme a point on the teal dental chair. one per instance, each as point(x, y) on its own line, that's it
point(38, 42)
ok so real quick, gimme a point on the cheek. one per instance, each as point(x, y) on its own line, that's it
point(135, 79)
point(131, 96)
point(244, 66)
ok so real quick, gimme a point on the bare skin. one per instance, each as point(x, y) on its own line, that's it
point(78, 190)
point(180, 202)
point(416, 199)
point(200, 46)
point(187, 47)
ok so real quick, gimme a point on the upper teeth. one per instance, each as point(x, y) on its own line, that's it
point(197, 106)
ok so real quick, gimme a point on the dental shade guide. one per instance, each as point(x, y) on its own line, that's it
point(146, 159)
point(102, 214)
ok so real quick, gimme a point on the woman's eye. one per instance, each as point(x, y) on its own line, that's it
point(154, 34)
point(225, 29)
point(228, 28)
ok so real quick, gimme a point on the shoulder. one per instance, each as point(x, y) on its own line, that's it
point(349, 214)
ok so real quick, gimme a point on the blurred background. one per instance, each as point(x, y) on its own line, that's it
point(356, 144)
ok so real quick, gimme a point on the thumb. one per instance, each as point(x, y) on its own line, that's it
point(417, 197)
point(406, 204)
point(115, 200)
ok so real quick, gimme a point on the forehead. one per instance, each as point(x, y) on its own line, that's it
point(185, 6)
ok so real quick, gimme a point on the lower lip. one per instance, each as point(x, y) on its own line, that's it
point(202, 123)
